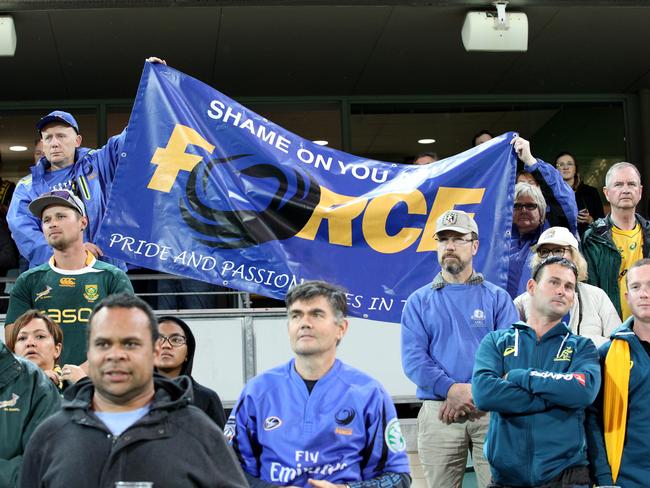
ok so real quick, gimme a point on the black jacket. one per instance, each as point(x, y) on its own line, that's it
point(173, 445)
point(203, 397)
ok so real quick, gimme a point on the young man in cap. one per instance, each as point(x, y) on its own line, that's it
point(442, 326)
point(69, 285)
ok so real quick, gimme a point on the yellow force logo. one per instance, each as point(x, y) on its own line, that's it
point(509, 350)
point(91, 292)
point(565, 355)
point(67, 282)
point(334, 210)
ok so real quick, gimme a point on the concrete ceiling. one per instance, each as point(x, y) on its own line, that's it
point(320, 48)
point(72, 50)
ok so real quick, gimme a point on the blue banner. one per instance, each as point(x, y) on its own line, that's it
point(210, 190)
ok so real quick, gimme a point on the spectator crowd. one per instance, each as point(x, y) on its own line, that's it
point(542, 383)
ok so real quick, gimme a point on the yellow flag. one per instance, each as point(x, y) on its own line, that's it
point(617, 380)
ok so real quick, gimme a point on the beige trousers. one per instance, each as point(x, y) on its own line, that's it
point(443, 448)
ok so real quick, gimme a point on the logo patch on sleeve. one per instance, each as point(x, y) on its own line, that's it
point(272, 423)
point(393, 437)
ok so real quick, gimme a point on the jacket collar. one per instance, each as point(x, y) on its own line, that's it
point(559, 329)
point(439, 281)
point(169, 394)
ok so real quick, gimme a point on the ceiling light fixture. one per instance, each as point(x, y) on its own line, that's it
point(426, 141)
point(7, 36)
point(321, 143)
point(18, 148)
point(495, 31)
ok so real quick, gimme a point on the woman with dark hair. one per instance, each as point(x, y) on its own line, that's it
point(175, 356)
point(590, 206)
point(36, 337)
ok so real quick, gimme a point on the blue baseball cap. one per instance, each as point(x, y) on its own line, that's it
point(58, 116)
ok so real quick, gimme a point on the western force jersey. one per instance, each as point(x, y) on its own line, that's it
point(67, 297)
point(346, 430)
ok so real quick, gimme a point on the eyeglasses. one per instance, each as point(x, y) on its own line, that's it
point(557, 252)
point(175, 340)
point(456, 241)
point(555, 260)
point(565, 165)
point(527, 206)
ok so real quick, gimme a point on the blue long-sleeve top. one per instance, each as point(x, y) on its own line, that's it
point(442, 327)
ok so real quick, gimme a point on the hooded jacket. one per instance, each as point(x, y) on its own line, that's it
point(27, 397)
point(604, 259)
point(90, 177)
point(538, 411)
point(203, 397)
point(635, 463)
point(173, 445)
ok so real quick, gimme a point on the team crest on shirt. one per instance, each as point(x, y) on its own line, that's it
point(393, 437)
point(565, 355)
point(43, 294)
point(91, 292)
point(477, 318)
point(8, 404)
point(272, 423)
point(67, 282)
point(345, 416)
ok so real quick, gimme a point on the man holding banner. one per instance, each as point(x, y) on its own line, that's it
point(442, 326)
point(65, 165)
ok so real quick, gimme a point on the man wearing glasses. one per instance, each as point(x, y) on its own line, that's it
point(175, 357)
point(72, 282)
point(442, 326)
point(536, 379)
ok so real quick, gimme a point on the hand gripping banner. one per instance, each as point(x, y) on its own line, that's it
point(209, 190)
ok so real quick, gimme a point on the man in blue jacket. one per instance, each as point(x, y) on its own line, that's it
point(619, 421)
point(536, 379)
point(65, 165)
point(315, 421)
point(442, 326)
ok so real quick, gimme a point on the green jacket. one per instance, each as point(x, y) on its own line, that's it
point(27, 397)
point(604, 259)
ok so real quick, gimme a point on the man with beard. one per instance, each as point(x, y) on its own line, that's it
point(442, 326)
point(69, 285)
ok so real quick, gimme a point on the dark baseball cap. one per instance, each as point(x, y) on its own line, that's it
point(58, 116)
point(64, 198)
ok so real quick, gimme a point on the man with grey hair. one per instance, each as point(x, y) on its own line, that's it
point(613, 243)
point(315, 420)
point(442, 326)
